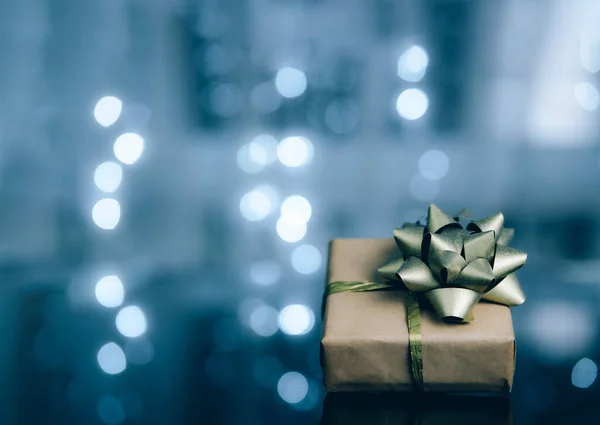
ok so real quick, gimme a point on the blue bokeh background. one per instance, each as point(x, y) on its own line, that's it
point(172, 170)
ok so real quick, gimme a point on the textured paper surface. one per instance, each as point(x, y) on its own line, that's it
point(365, 335)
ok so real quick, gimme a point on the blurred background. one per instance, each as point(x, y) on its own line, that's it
point(172, 170)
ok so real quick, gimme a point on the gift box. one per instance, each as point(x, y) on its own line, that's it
point(369, 409)
point(460, 344)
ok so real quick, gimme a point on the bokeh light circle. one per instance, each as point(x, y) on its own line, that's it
point(267, 144)
point(106, 213)
point(412, 104)
point(247, 160)
point(290, 231)
point(296, 319)
point(295, 151)
point(290, 82)
point(263, 320)
point(110, 291)
point(128, 148)
point(584, 373)
point(111, 359)
point(412, 64)
point(108, 176)
point(296, 209)
point(434, 165)
point(292, 387)
point(306, 259)
point(255, 205)
point(108, 110)
point(131, 321)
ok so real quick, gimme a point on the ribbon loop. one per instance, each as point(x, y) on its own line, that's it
point(507, 292)
point(494, 222)
point(389, 269)
point(409, 240)
point(453, 304)
point(416, 276)
point(446, 265)
point(507, 260)
point(477, 275)
point(438, 220)
point(480, 245)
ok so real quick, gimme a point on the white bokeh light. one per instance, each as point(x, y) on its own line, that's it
point(587, 96)
point(412, 64)
point(258, 153)
point(128, 147)
point(295, 151)
point(108, 110)
point(412, 104)
point(247, 159)
point(111, 359)
point(265, 272)
point(106, 213)
point(296, 209)
point(290, 82)
point(290, 231)
point(131, 321)
point(584, 373)
point(306, 259)
point(434, 165)
point(108, 176)
point(110, 291)
point(255, 205)
point(296, 319)
point(292, 387)
point(423, 189)
point(267, 144)
point(263, 320)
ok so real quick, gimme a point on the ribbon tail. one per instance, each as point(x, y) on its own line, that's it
point(415, 344)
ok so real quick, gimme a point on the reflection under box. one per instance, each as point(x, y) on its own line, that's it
point(430, 409)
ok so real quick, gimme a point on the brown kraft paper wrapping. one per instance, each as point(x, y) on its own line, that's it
point(365, 334)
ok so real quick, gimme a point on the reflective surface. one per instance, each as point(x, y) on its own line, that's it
point(172, 170)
